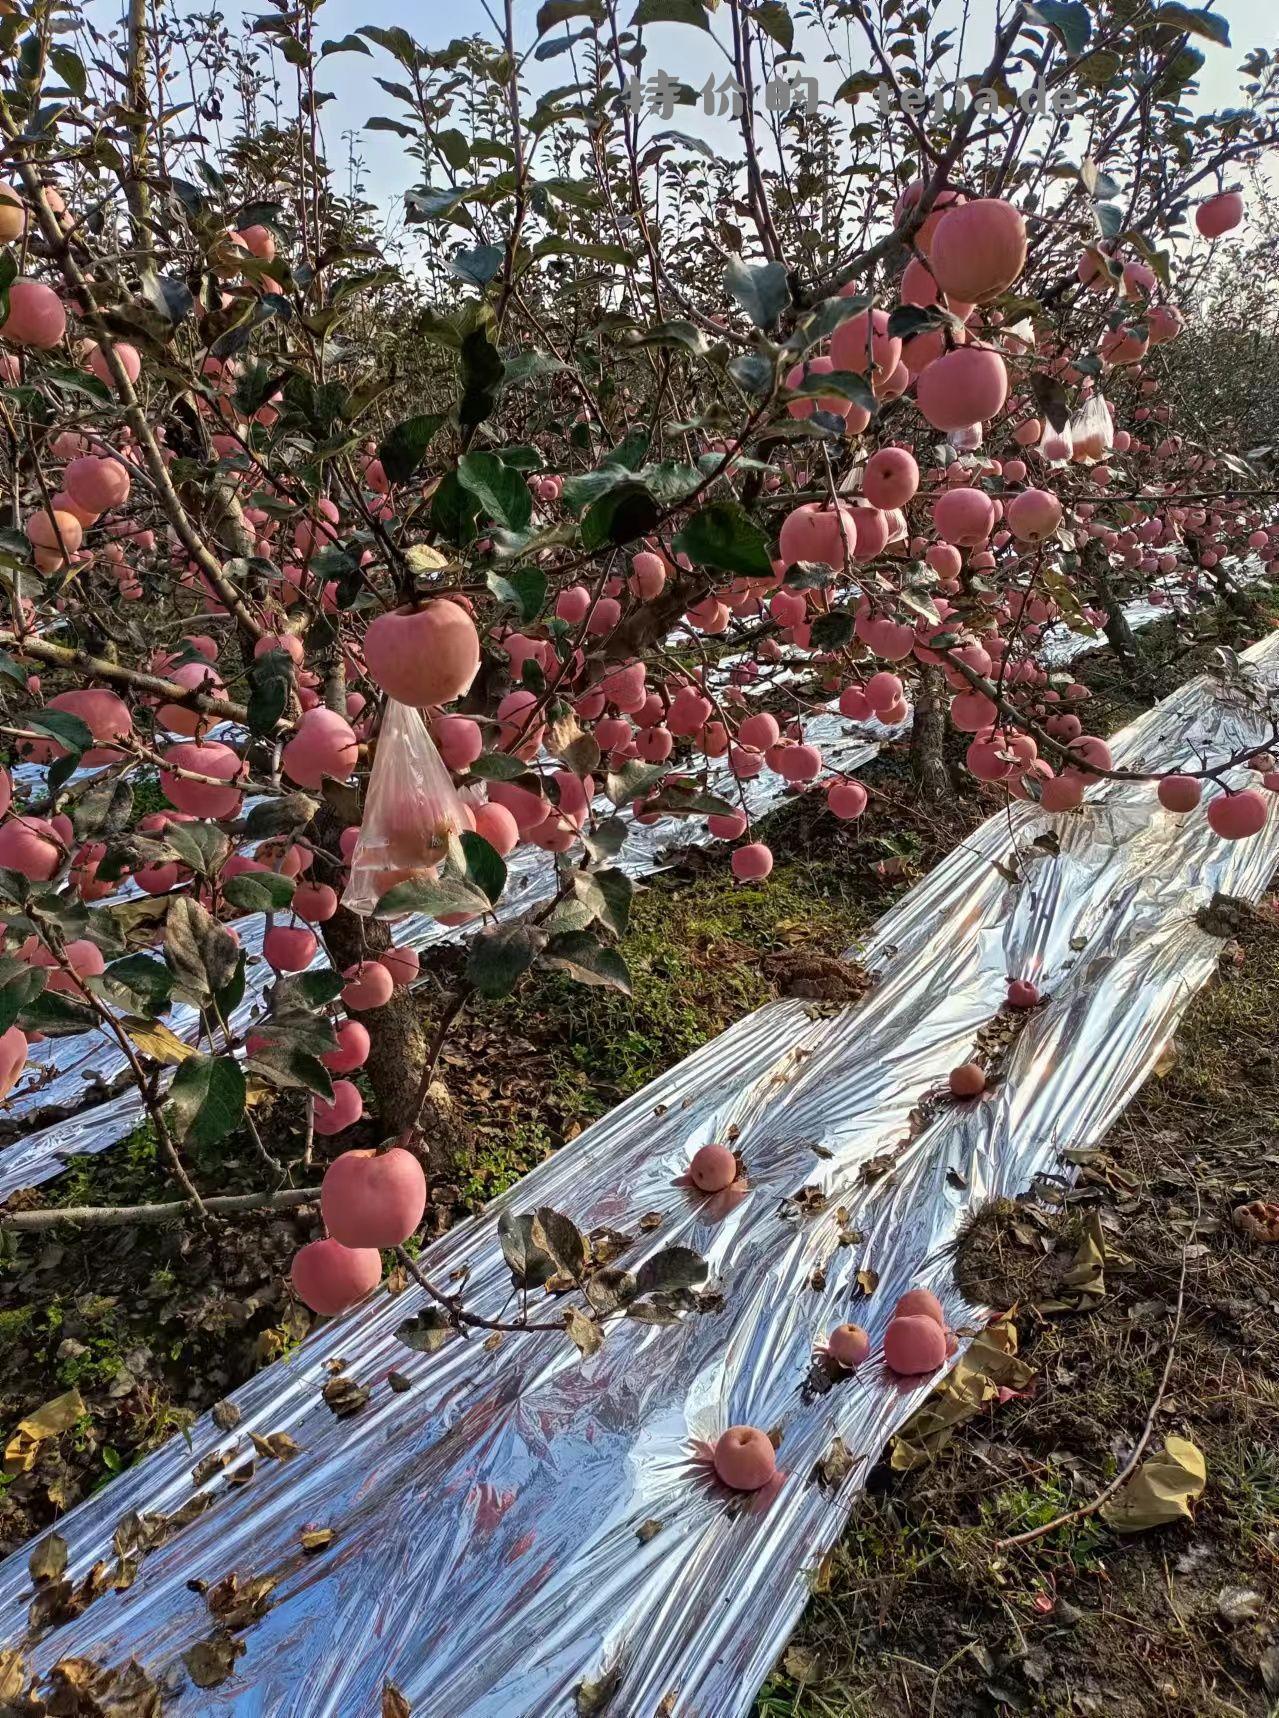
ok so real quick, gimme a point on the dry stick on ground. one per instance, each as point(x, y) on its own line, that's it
point(1129, 1467)
point(120, 1216)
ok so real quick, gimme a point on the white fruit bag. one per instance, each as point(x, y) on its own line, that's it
point(1092, 430)
point(411, 810)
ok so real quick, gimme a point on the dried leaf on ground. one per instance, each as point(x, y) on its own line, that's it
point(48, 1562)
point(1084, 1284)
point(583, 1331)
point(211, 1661)
point(1162, 1489)
point(53, 1418)
point(13, 1674)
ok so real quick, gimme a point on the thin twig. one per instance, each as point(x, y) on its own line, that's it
point(1129, 1467)
point(121, 1216)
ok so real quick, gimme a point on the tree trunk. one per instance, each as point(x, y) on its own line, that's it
point(397, 1035)
point(136, 189)
point(1096, 566)
point(928, 736)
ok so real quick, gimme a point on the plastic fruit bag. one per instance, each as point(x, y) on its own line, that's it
point(1056, 446)
point(411, 810)
point(1092, 430)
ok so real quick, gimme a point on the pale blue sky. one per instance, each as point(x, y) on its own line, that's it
point(684, 52)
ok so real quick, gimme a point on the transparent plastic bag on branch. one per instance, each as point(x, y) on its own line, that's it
point(966, 440)
point(411, 810)
point(1092, 430)
point(1056, 446)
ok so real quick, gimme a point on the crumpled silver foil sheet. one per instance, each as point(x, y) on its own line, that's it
point(487, 1557)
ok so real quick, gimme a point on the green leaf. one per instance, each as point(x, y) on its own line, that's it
point(671, 1269)
point(169, 296)
point(404, 448)
point(686, 799)
point(842, 384)
point(499, 766)
point(1070, 20)
point(822, 322)
point(202, 846)
point(396, 41)
point(202, 953)
point(270, 683)
point(206, 1100)
point(259, 891)
point(1050, 398)
point(498, 958)
point(527, 1263)
point(1199, 23)
point(307, 989)
point(775, 21)
point(434, 897)
point(633, 780)
point(627, 511)
point(71, 732)
point(9, 668)
point(607, 895)
point(672, 482)
point(911, 319)
point(283, 1062)
point(586, 959)
point(528, 367)
point(478, 266)
point(500, 490)
point(348, 45)
point(1110, 219)
point(555, 12)
point(20, 984)
point(722, 536)
point(282, 815)
point(762, 291)
point(454, 511)
point(485, 866)
point(588, 486)
point(55, 1015)
point(482, 373)
point(631, 451)
point(553, 245)
point(70, 68)
point(524, 589)
point(103, 809)
point(677, 332)
point(670, 12)
point(137, 982)
point(832, 631)
point(753, 372)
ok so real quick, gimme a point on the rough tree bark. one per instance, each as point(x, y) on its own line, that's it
point(398, 1034)
point(928, 736)
point(1096, 565)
